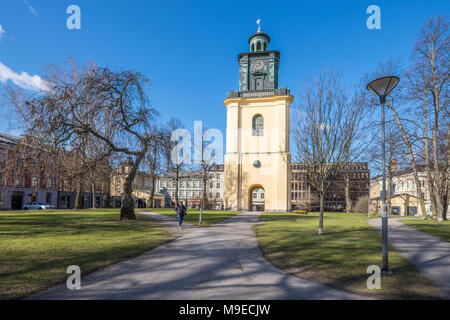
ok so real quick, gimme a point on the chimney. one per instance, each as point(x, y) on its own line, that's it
point(393, 165)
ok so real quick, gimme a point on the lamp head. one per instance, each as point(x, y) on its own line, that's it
point(383, 86)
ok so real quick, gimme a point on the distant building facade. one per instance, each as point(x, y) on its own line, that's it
point(18, 187)
point(141, 187)
point(190, 188)
point(303, 197)
point(21, 183)
point(404, 194)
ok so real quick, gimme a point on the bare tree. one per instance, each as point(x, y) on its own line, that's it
point(153, 160)
point(94, 155)
point(397, 156)
point(428, 86)
point(175, 163)
point(97, 102)
point(359, 142)
point(324, 127)
point(205, 164)
point(396, 102)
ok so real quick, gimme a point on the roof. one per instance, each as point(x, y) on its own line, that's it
point(6, 138)
point(409, 170)
point(259, 34)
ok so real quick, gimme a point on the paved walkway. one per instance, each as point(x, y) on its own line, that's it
point(429, 254)
point(218, 262)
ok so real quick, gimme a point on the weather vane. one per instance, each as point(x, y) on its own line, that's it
point(258, 22)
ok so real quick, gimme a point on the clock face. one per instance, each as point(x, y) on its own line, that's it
point(258, 64)
point(257, 164)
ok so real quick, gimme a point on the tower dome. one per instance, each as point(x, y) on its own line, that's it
point(259, 41)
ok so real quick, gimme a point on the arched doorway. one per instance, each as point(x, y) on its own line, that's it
point(256, 198)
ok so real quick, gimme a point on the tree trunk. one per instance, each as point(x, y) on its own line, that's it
point(321, 214)
point(389, 191)
point(348, 199)
point(94, 200)
point(437, 174)
point(152, 191)
point(427, 156)
point(177, 181)
point(78, 204)
point(127, 210)
point(93, 191)
point(205, 182)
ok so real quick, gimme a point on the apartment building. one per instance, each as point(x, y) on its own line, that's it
point(358, 173)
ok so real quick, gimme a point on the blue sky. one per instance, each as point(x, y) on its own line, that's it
point(188, 49)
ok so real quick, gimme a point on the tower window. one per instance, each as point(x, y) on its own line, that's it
point(258, 125)
point(253, 47)
point(258, 46)
point(265, 46)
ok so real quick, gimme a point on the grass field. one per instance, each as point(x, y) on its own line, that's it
point(209, 217)
point(36, 247)
point(437, 229)
point(340, 257)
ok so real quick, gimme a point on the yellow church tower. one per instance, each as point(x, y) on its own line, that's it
point(257, 155)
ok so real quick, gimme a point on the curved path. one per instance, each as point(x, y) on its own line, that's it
point(429, 254)
point(222, 261)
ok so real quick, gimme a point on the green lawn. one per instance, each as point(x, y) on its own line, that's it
point(340, 257)
point(36, 247)
point(209, 217)
point(433, 227)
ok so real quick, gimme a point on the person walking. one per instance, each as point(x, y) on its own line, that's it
point(180, 209)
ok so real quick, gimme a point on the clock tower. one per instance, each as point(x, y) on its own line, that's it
point(257, 146)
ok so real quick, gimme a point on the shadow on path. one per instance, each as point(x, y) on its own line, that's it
point(429, 254)
point(222, 261)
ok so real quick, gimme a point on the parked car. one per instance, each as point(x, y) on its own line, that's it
point(38, 206)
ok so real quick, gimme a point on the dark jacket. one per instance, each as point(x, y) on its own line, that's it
point(180, 210)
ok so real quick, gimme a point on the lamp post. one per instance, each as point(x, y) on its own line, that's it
point(382, 87)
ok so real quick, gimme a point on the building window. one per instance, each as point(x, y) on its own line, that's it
point(211, 185)
point(18, 182)
point(218, 195)
point(2, 199)
point(48, 198)
point(258, 125)
point(218, 185)
point(262, 195)
point(34, 182)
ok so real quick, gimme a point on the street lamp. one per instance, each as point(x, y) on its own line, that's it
point(382, 87)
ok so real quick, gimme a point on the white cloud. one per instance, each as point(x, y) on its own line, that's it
point(2, 31)
point(34, 12)
point(22, 79)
